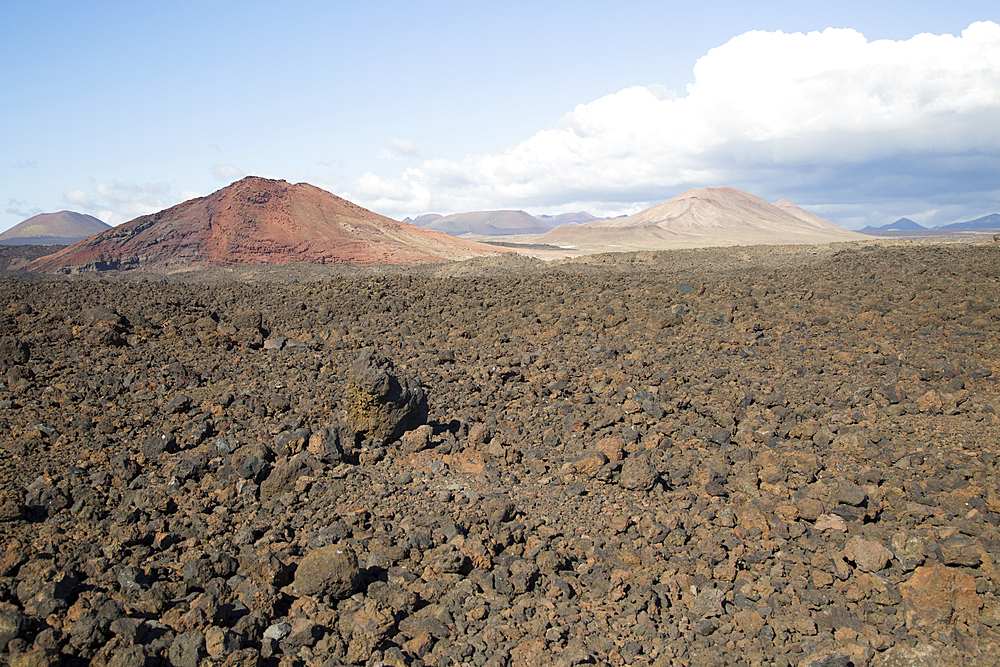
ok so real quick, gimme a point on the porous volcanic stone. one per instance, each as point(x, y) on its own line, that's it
point(328, 572)
point(638, 474)
point(868, 555)
point(383, 403)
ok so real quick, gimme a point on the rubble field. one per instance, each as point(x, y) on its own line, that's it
point(719, 457)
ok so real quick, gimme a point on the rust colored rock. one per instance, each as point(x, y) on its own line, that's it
point(589, 463)
point(868, 555)
point(611, 447)
point(260, 221)
point(939, 594)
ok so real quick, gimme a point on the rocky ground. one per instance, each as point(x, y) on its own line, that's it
point(727, 457)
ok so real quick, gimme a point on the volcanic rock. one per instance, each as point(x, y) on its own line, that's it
point(637, 473)
point(328, 572)
point(869, 556)
point(936, 593)
point(594, 480)
point(12, 623)
point(381, 402)
point(259, 221)
point(13, 352)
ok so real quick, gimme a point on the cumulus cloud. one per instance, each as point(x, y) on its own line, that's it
point(116, 202)
point(79, 198)
point(227, 172)
point(399, 149)
point(806, 114)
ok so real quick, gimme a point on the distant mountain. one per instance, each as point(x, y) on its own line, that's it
point(901, 225)
point(702, 217)
point(260, 221)
point(62, 228)
point(490, 223)
point(568, 218)
point(991, 221)
point(423, 220)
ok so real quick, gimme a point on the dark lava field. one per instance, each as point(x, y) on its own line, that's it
point(721, 457)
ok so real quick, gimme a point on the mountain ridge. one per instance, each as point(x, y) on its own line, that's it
point(489, 223)
point(991, 221)
point(901, 225)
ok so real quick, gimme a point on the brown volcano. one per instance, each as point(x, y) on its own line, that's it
point(62, 228)
point(699, 218)
point(260, 221)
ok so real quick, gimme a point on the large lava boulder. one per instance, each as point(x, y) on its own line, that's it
point(382, 403)
point(328, 573)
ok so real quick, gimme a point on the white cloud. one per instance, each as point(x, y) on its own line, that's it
point(116, 202)
point(399, 149)
point(227, 172)
point(78, 197)
point(768, 111)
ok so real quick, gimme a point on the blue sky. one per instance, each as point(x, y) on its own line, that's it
point(122, 109)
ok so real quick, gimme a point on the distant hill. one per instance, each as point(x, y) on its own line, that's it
point(991, 221)
point(901, 225)
point(703, 217)
point(499, 223)
point(490, 223)
point(423, 220)
point(61, 228)
point(260, 221)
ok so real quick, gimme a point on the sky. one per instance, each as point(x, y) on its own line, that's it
point(859, 112)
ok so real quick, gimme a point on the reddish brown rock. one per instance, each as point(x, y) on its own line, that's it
point(938, 594)
point(589, 463)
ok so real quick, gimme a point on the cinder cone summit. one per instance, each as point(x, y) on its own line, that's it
point(260, 221)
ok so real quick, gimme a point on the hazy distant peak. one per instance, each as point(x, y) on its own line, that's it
point(991, 221)
point(423, 220)
point(490, 223)
point(62, 227)
point(901, 225)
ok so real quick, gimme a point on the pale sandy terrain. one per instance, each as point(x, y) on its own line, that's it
point(699, 218)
